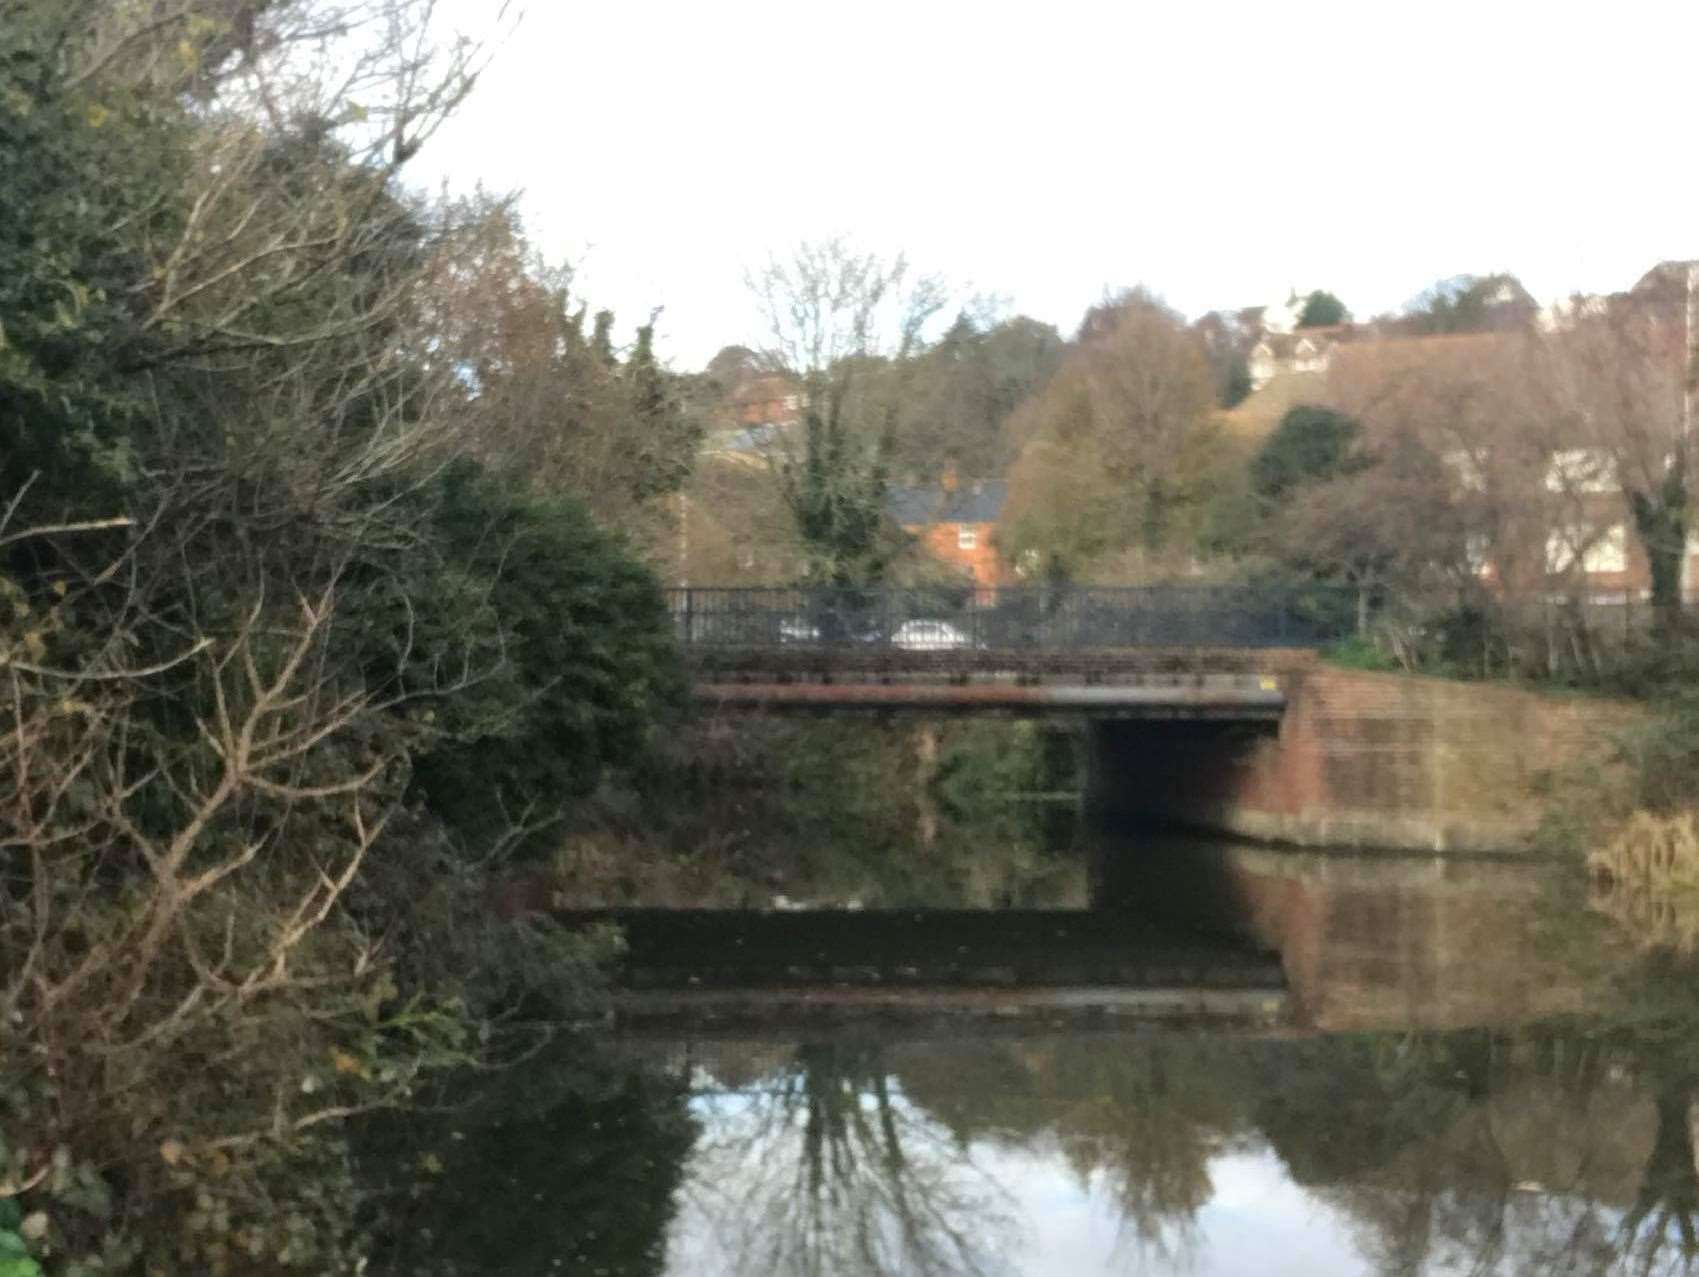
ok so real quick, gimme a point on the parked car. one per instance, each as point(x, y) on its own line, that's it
point(929, 636)
point(796, 630)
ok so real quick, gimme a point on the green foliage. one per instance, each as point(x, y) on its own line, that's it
point(1309, 445)
point(666, 435)
point(1661, 518)
point(1664, 755)
point(1233, 385)
point(15, 1260)
point(836, 495)
point(1471, 304)
point(575, 644)
point(1322, 310)
point(82, 177)
point(226, 923)
point(1361, 652)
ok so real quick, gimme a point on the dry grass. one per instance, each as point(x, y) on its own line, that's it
point(1655, 853)
point(1646, 878)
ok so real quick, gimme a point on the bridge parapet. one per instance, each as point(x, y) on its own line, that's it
point(1083, 666)
point(849, 624)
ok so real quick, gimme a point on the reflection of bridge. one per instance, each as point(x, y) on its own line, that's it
point(1195, 652)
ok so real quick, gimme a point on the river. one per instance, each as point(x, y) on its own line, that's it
point(1443, 1066)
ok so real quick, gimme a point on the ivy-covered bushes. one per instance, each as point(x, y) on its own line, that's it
point(283, 677)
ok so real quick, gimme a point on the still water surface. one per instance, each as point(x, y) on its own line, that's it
point(1474, 1073)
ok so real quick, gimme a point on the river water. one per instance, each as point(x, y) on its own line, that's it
point(1434, 1066)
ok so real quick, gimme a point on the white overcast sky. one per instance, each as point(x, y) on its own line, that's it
point(1218, 152)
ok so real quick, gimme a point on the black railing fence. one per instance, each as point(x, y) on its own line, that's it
point(1037, 618)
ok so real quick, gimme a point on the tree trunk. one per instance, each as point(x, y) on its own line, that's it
point(1660, 520)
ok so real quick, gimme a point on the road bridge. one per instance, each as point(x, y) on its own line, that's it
point(1204, 706)
point(1192, 652)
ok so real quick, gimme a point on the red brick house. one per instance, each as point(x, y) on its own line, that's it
point(955, 521)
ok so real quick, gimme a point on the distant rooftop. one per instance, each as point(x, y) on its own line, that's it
point(971, 501)
point(747, 439)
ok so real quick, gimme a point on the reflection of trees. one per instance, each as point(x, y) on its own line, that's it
point(1137, 1118)
point(1541, 1150)
point(824, 1167)
point(1148, 1122)
point(1532, 1152)
point(1658, 1232)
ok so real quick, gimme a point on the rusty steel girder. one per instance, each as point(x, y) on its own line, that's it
point(1229, 697)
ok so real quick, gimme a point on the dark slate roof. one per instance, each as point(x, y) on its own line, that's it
point(973, 501)
point(745, 439)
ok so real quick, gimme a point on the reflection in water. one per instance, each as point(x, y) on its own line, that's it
point(1525, 1152)
point(1137, 1121)
point(1486, 1082)
point(821, 1166)
point(1376, 941)
point(553, 1167)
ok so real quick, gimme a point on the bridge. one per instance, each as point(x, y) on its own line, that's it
point(1170, 651)
point(1203, 706)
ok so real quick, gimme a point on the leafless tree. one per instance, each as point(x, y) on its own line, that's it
point(843, 326)
point(1620, 380)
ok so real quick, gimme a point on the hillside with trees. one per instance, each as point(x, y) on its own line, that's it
point(1115, 457)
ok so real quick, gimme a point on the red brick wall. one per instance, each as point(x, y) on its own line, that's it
point(1368, 760)
point(943, 542)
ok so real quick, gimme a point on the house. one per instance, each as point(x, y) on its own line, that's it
point(955, 520)
point(1306, 351)
point(754, 415)
point(1561, 523)
point(767, 399)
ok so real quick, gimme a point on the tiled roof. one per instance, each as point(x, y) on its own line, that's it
point(1285, 345)
point(976, 501)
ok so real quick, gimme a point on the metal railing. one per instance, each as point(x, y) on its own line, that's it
point(1024, 619)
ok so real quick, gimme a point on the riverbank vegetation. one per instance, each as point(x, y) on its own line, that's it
point(313, 616)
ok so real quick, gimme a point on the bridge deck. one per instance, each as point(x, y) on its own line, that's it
point(1231, 696)
point(832, 664)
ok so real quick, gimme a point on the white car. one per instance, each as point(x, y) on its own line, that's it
point(929, 636)
point(795, 631)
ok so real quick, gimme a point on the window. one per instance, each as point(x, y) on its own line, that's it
point(1599, 550)
point(1608, 552)
point(1477, 552)
point(967, 538)
point(1581, 470)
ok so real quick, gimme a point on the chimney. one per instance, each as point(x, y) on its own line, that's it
point(948, 481)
